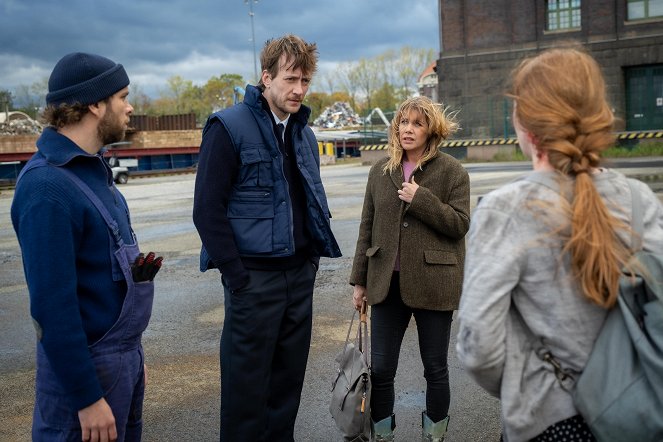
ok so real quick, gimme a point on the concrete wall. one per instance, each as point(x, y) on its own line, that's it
point(165, 138)
point(12, 144)
point(17, 143)
point(139, 140)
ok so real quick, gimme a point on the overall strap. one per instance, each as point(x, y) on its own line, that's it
point(32, 164)
point(94, 199)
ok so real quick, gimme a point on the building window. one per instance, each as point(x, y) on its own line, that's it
point(639, 9)
point(563, 14)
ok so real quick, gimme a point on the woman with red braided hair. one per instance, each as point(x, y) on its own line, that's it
point(546, 251)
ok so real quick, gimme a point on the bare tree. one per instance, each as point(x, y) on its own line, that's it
point(387, 62)
point(177, 86)
point(367, 75)
point(409, 65)
point(348, 80)
point(327, 81)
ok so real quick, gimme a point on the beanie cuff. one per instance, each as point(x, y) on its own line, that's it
point(93, 90)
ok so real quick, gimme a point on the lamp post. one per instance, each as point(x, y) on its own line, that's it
point(253, 37)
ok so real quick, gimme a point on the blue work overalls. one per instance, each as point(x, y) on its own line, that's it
point(117, 356)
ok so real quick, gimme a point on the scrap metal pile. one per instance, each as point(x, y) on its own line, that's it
point(21, 127)
point(337, 116)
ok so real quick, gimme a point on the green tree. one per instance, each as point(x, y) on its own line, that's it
point(317, 101)
point(385, 97)
point(31, 98)
point(175, 90)
point(219, 92)
point(339, 96)
point(382, 81)
point(6, 100)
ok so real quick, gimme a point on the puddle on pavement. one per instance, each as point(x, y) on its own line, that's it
point(326, 329)
point(215, 316)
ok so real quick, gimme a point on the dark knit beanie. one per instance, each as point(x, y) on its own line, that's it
point(84, 79)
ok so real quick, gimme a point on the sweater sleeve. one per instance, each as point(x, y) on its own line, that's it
point(217, 170)
point(49, 236)
point(492, 270)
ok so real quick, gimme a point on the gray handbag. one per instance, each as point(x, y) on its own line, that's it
point(351, 387)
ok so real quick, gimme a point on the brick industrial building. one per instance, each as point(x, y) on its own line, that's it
point(481, 41)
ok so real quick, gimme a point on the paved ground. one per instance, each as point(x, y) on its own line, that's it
point(181, 343)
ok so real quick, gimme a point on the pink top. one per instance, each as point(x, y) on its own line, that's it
point(408, 168)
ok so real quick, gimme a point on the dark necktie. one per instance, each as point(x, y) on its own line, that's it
point(280, 128)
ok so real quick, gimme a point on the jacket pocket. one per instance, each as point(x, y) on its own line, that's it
point(440, 257)
point(372, 251)
point(256, 166)
point(251, 216)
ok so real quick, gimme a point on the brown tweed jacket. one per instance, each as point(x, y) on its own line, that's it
point(430, 231)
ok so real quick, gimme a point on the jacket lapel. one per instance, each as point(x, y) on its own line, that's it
point(397, 177)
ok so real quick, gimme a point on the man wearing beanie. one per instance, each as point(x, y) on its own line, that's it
point(78, 246)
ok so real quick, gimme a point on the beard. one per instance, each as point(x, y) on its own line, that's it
point(111, 129)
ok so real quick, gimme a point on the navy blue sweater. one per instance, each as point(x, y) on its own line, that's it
point(67, 249)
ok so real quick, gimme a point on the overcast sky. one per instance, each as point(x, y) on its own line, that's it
point(197, 39)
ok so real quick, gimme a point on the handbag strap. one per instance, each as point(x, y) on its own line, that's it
point(347, 337)
point(363, 324)
point(362, 339)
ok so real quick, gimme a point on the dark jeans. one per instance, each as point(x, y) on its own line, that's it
point(389, 320)
point(264, 348)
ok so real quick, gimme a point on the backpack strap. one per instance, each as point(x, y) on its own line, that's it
point(637, 223)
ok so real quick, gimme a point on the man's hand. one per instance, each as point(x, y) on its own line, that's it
point(358, 296)
point(98, 422)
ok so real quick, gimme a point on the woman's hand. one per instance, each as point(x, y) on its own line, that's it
point(408, 191)
point(358, 296)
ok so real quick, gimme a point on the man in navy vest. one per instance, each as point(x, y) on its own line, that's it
point(262, 215)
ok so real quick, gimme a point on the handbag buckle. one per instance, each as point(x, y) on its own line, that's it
point(561, 374)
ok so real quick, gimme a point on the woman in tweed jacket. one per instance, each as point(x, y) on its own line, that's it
point(409, 258)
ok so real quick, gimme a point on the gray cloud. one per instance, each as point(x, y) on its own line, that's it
point(155, 40)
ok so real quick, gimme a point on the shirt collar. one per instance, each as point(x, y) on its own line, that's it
point(277, 121)
point(58, 149)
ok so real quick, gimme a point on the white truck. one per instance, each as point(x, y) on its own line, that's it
point(120, 168)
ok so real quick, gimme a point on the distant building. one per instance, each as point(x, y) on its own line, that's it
point(427, 82)
point(481, 41)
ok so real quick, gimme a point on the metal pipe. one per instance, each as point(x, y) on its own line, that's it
point(253, 39)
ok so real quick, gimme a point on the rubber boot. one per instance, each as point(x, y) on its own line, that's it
point(383, 431)
point(433, 431)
